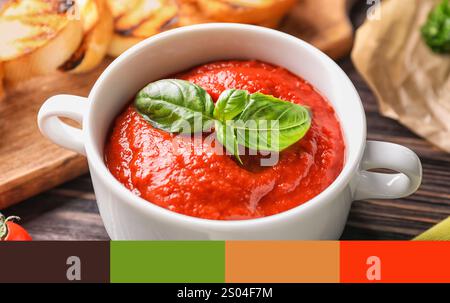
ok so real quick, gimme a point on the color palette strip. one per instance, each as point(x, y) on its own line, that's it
point(395, 262)
point(168, 262)
point(230, 262)
point(282, 262)
point(47, 262)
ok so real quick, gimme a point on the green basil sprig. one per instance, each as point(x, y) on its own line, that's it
point(436, 31)
point(175, 106)
point(256, 121)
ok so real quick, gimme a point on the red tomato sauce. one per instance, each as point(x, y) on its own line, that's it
point(201, 182)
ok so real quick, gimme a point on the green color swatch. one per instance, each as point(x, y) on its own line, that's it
point(168, 262)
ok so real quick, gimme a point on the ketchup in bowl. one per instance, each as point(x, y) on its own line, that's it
point(197, 181)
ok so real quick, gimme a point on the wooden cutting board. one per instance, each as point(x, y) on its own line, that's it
point(30, 164)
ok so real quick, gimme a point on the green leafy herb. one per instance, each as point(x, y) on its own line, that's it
point(436, 31)
point(230, 104)
point(267, 118)
point(257, 121)
point(176, 106)
point(226, 134)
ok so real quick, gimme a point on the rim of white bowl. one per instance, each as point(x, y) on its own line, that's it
point(163, 214)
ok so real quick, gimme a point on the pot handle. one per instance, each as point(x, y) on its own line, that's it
point(67, 106)
point(372, 185)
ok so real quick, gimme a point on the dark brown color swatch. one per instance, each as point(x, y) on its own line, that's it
point(43, 262)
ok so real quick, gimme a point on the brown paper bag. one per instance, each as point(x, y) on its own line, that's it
point(411, 82)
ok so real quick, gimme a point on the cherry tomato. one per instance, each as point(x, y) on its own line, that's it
point(10, 231)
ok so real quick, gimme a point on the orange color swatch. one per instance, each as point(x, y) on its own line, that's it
point(281, 262)
point(395, 262)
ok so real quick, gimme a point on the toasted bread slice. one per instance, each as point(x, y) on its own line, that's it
point(133, 24)
point(242, 11)
point(37, 37)
point(245, 11)
point(98, 28)
point(135, 20)
point(121, 7)
point(189, 13)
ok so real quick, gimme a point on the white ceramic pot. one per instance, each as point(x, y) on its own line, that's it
point(129, 217)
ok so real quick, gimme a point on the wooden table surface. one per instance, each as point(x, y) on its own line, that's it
point(69, 212)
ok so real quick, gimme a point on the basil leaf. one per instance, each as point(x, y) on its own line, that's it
point(271, 124)
point(436, 31)
point(230, 104)
point(257, 121)
point(226, 135)
point(176, 106)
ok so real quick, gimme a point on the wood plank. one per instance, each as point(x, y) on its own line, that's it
point(29, 163)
